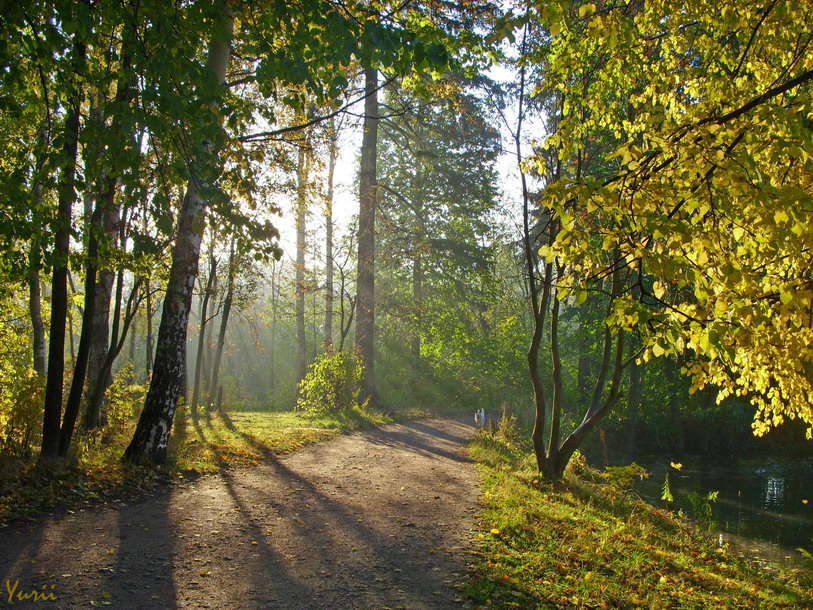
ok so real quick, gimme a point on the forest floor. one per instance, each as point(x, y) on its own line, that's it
point(374, 519)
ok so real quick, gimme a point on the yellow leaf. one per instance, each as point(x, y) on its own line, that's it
point(676, 465)
point(587, 9)
point(495, 531)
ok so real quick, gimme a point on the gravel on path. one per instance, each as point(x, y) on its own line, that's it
point(375, 519)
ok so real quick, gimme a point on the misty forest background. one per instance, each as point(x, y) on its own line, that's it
point(439, 120)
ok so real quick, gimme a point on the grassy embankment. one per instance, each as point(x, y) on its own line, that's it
point(588, 544)
point(95, 471)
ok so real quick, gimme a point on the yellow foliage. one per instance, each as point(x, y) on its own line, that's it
point(706, 109)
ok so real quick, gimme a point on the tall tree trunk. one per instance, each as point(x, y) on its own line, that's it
point(101, 342)
point(301, 209)
point(206, 358)
point(611, 368)
point(52, 411)
point(633, 403)
point(204, 306)
point(275, 274)
point(676, 425)
point(109, 227)
point(117, 339)
point(556, 364)
point(102, 375)
point(151, 437)
point(148, 339)
point(224, 322)
point(38, 343)
point(35, 304)
point(333, 153)
point(131, 356)
point(86, 336)
point(417, 284)
point(368, 200)
point(539, 294)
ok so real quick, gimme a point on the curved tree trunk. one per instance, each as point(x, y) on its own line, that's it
point(151, 437)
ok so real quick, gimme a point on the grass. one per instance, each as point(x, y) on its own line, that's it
point(95, 472)
point(587, 544)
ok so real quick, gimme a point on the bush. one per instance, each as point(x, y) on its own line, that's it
point(332, 385)
point(21, 415)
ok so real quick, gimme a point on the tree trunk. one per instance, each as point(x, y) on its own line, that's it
point(110, 228)
point(102, 375)
point(38, 343)
point(633, 403)
point(301, 208)
point(368, 200)
point(116, 344)
point(52, 411)
point(417, 284)
point(86, 336)
point(151, 437)
point(224, 322)
point(148, 339)
point(556, 362)
point(585, 368)
point(207, 294)
point(612, 366)
point(132, 349)
point(100, 325)
point(206, 388)
point(275, 273)
point(35, 304)
point(671, 371)
point(333, 153)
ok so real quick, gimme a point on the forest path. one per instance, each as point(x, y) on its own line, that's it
point(374, 519)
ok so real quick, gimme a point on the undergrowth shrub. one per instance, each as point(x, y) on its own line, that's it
point(332, 385)
point(123, 405)
point(21, 390)
point(21, 415)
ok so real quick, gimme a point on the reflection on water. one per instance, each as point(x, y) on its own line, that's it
point(764, 508)
point(774, 492)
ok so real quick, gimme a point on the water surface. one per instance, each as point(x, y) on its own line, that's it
point(764, 507)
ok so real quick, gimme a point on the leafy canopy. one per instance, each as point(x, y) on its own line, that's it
point(710, 193)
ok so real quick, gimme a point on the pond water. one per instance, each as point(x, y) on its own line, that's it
point(764, 507)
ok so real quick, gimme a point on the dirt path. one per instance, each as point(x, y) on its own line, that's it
point(379, 519)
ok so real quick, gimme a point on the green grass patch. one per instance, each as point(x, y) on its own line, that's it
point(589, 544)
point(95, 472)
point(245, 438)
